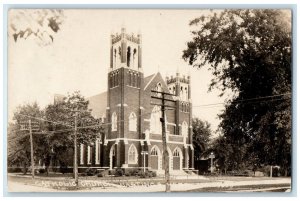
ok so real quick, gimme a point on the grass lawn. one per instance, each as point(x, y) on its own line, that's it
point(268, 187)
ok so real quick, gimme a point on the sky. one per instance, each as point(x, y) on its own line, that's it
point(78, 58)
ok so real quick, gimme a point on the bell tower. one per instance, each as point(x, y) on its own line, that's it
point(126, 51)
point(124, 94)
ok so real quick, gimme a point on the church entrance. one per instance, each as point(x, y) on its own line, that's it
point(155, 158)
point(177, 159)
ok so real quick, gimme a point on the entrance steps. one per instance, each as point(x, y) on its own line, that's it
point(172, 172)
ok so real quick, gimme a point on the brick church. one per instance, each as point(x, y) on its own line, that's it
point(132, 122)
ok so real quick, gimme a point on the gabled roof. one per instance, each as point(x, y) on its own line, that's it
point(148, 79)
point(98, 104)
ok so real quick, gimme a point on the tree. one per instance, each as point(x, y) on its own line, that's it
point(61, 116)
point(55, 139)
point(18, 139)
point(201, 135)
point(40, 24)
point(249, 53)
point(223, 151)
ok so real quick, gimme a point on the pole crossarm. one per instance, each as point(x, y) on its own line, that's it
point(163, 105)
point(161, 98)
point(165, 93)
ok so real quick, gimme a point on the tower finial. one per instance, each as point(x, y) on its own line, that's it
point(177, 71)
point(123, 29)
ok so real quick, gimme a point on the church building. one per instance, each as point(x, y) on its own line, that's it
point(132, 121)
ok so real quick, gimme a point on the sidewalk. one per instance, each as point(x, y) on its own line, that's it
point(191, 186)
point(179, 187)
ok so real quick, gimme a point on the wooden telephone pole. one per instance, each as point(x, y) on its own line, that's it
point(28, 127)
point(75, 151)
point(31, 149)
point(162, 96)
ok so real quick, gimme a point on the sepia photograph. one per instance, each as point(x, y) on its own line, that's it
point(149, 100)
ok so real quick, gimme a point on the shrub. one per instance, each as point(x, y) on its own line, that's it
point(90, 172)
point(153, 174)
point(111, 172)
point(139, 172)
point(63, 169)
point(42, 170)
point(14, 169)
point(143, 175)
point(147, 174)
point(100, 175)
point(119, 172)
point(130, 172)
point(25, 170)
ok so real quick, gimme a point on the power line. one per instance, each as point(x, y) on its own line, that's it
point(205, 106)
point(42, 119)
point(244, 100)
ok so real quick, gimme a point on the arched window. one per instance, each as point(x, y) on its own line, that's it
point(155, 124)
point(181, 93)
point(133, 58)
point(128, 56)
point(132, 155)
point(154, 151)
point(158, 88)
point(132, 122)
point(117, 79)
point(111, 81)
point(138, 81)
point(184, 129)
point(97, 150)
point(89, 158)
point(176, 152)
point(186, 94)
point(115, 57)
point(133, 79)
point(81, 154)
point(114, 120)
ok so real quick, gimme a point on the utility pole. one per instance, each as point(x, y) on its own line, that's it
point(31, 149)
point(75, 151)
point(164, 137)
point(211, 156)
point(30, 128)
point(271, 171)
